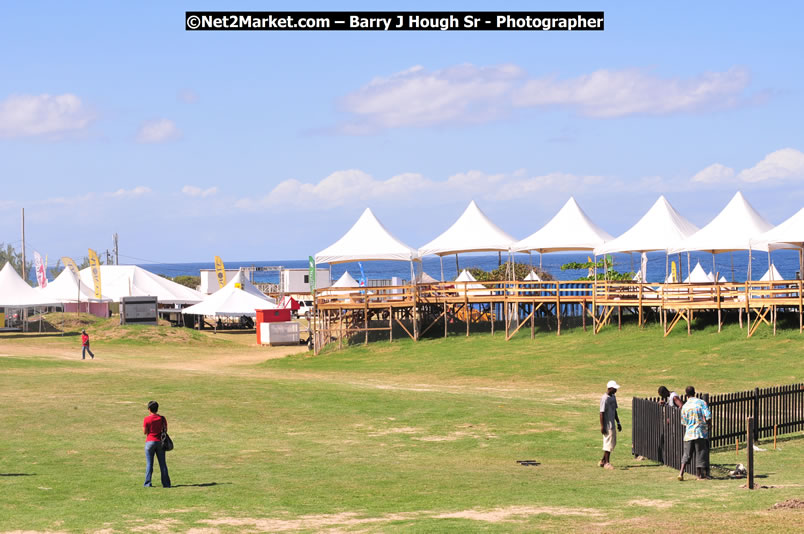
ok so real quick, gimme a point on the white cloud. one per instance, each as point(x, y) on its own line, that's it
point(158, 131)
point(193, 191)
point(188, 96)
point(34, 115)
point(612, 93)
point(784, 164)
point(417, 97)
point(713, 174)
point(128, 193)
point(467, 94)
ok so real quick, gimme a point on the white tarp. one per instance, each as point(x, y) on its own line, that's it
point(772, 275)
point(367, 240)
point(65, 288)
point(789, 234)
point(14, 292)
point(119, 281)
point(569, 229)
point(732, 229)
point(238, 297)
point(472, 232)
point(661, 228)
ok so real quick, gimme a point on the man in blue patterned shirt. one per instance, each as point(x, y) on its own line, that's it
point(696, 417)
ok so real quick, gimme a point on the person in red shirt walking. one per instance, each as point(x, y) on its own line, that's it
point(85, 345)
point(153, 425)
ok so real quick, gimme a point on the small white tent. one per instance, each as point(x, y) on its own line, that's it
point(342, 286)
point(772, 275)
point(698, 276)
point(14, 292)
point(119, 281)
point(424, 278)
point(532, 277)
point(237, 298)
point(569, 229)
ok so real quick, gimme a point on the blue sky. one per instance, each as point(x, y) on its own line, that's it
point(267, 146)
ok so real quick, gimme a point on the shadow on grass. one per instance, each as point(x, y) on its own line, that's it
point(17, 474)
point(34, 335)
point(202, 485)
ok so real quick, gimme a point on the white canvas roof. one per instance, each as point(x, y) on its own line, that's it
point(345, 281)
point(424, 278)
point(15, 292)
point(119, 281)
point(472, 232)
point(698, 276)
point(772, 275)
point(232, 301)
point(732, 229)
point(661, 228)
point(569, 229)
point(65, 288)
point(367, 240)
point(789, 234)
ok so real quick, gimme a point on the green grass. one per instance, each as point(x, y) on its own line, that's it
point(403, 436)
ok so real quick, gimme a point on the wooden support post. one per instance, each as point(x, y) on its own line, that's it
point(533, 320)
point(583, 315)
point(717, 296)
point(390, 324)
point(340, 326)
point(689, 322)
point(750, 453)
point(365, 319)
point(416, 312)
point(747, 304)
point(505, 315)
point(594, 303)
point(466, 308)
point(774, 318)
point(558, 309)
point(619, 317)
point(446, 317)
point(800, 310)
point(641, 284)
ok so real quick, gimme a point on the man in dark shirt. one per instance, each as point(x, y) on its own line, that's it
point(608, 416)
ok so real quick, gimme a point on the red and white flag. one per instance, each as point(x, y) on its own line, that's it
point(41, 274)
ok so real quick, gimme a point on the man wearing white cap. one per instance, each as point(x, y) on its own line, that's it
point(608, 416)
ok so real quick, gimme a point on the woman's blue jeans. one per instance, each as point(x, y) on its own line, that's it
point(155, 448)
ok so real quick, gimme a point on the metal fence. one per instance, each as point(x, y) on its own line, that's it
point(658, 433)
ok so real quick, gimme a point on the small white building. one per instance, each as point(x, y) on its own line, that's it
point(298, 280)
point(209, 280)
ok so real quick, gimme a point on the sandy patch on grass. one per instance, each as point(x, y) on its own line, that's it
point(307, 522)
point(795, 504)
point(651, 503)
point(509, 513)
point(161, 525)
point(396, 430)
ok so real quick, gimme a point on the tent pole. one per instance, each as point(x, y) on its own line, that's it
point(540, 260)
point(594, 299)
point(689, 274)
point(530, 256)
point(713, 266)
point(731, 257)
point(441, 258)
point(457, 266)
point(770, 271)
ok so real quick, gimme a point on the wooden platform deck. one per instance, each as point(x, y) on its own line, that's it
point(417, 308)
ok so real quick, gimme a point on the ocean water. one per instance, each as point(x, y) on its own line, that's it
point(734, 266)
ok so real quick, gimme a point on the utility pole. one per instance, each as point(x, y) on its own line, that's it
point(108, 257)
point(22, 269)
point(116, 251)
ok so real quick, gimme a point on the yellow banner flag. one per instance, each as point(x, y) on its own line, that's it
point(71, 266)
point(673, 275)
point(591, 269)
point(220, 272)
point(94, 264)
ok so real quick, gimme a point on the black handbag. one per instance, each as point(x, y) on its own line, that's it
point(167, 443)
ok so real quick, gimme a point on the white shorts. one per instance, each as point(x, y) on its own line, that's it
point(610, 440)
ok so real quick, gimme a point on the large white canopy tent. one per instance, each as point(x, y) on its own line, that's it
point(661, 228)
point(119, 281)
point(368, 240)
point(237, 298)
point(16, 293)
point(732, 229)
point(72, 292)
point(788, 234)
point(473, 231)
point(569, 229)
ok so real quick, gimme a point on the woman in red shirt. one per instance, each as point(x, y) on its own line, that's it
point(152, 426)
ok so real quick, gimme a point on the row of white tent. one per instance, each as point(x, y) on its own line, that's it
point(737, 227)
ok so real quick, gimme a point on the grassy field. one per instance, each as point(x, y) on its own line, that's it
point(403, 436)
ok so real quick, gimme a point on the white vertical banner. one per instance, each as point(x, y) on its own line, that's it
point(41, 275)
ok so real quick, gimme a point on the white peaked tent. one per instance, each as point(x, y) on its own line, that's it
point(14, 292)
point(569, 229)
point(732, 229)
point(472, 232)
point(237, 298)
point(466, 276)
point(424, 278)
point(119, 281)
point(367, 240)
point(65, 288)
point(698, 276)
point(532, 277)
point(772, 275)
point(789, 234)
point(661, 228)
point(345, 283)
